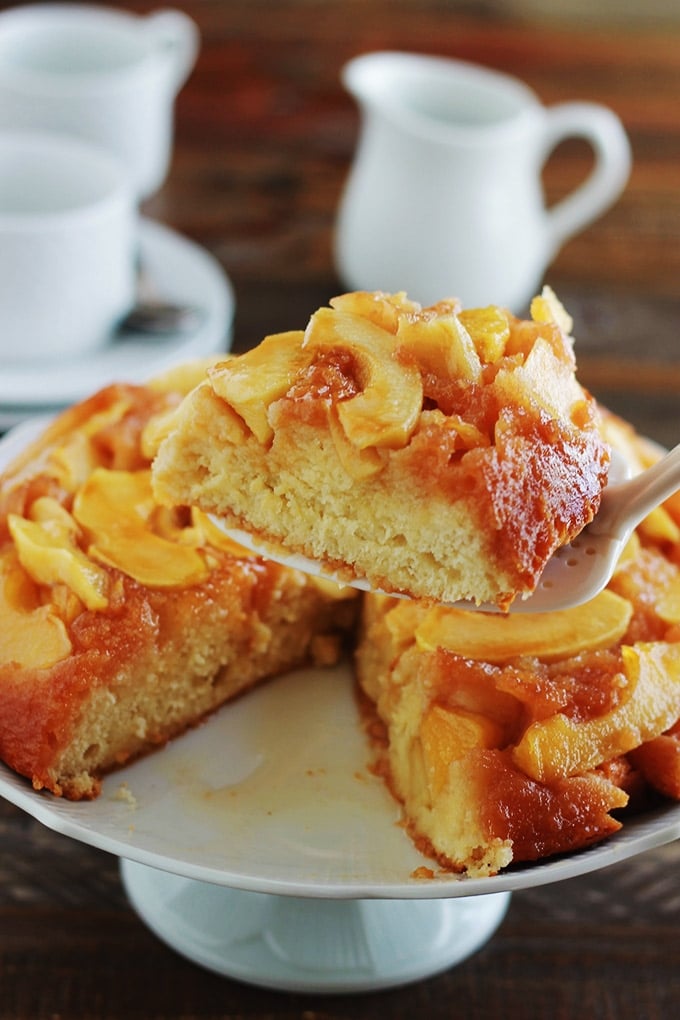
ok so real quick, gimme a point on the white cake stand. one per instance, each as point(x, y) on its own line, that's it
point(261, 847)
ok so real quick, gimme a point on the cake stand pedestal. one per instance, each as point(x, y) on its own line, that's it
point(301, 944)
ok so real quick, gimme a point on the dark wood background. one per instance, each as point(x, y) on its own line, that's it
point(264, 139)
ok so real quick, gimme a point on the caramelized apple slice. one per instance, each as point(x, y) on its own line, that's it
point(357, 463)
point(497, 638)
point(544, 379)
point(48, 552)
point(659, 526)
point(441, 345)
point(547, 307)
point(383, 310)
point(558, 747)
point(448, 734)
point(668, 605)
point(252, 381)
point(489, 329)
point(32, 635)
point(385, 412)
point(113, 508)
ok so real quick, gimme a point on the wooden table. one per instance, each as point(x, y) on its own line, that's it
point(264, 139)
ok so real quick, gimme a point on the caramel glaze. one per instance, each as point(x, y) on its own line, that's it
point(541, 819)
point(522, 482)
point(535, 482)
point(545, 819)
point(116, 445)
point(542, 486)
point(331, 378)
point(137, 622)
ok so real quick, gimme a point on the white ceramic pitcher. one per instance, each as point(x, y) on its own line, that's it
point(445, 198)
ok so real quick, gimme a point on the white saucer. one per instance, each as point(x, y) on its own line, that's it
point(182, 271)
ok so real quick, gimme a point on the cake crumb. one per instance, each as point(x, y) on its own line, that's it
point(124, 793)
point(423, 872)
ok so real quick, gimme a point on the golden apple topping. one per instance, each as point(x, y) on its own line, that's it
point(558, 694)
point(510, 738)
point(438, 452)
point(556, 635)
point(561, 747)
point(32, 634)
point(379, 361)
point(85, 507)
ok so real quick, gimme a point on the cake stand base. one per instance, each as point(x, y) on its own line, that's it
point(302, 944)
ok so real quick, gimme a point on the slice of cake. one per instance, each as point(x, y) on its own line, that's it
point(513, 738)
point(123, 622)
point(440, 453)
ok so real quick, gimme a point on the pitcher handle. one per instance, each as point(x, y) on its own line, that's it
point(178, 36)
point(602, 129)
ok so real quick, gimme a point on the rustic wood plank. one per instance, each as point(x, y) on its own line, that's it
point(265, 136)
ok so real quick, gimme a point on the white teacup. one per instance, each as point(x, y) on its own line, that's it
point(107, 76)
point(445, 197)
point(67, 247)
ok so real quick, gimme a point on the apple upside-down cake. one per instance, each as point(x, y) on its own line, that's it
point(437, 452)
point(514, 737)
point(122, 623)
point(506, 738)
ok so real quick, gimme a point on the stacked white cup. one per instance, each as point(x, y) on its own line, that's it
point(86, 123)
